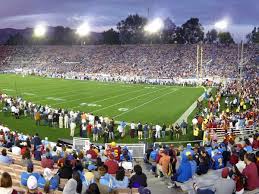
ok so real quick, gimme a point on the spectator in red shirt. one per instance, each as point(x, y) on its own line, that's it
point(233, 158)
point(238, 178)
point(255, 143)
point(251, 172)
point(257, 161)
point(89, 130)
point(92, 152)
point(112, 164)
point(47, 162)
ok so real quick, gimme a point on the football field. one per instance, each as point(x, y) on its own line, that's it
point(128, 102)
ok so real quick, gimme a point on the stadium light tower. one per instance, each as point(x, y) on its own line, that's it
point(83, 30)
point(222, 24)
point(39, 30)
point(154, 26)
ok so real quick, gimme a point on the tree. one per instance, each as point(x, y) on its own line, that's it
point(168, 32)
point(16, 39)
point(62, 35)
point(253, 37)
point(131, 29)
point(211, 36)
point(225, 38)
point(192, 31)
point(179, 36)
point(111, 37)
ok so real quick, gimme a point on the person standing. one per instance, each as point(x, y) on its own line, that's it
point(163, 131)
point(50, 119)
point(140, 131)
point(95, 133)
point(177, 131)
point(37, 118)
point(132, 129)
point(172, 132)
point(72, 128)
point(89, 129)
point(60, 120)
point(184, 127)
point(150, 130)
point(158, 129)
point(66, 121)
point(111, 131)
point(145, 130)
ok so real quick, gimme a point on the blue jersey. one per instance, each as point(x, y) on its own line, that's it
point(188, 152)
point(153, 155)
point(218, 161)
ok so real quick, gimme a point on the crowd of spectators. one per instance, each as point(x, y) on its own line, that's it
point(96, 170)
point(150, 61)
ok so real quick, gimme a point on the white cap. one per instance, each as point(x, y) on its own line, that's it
point(32, 182)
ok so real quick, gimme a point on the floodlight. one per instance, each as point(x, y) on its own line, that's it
point(40, 30)
point(154, 26)
point(83, 30)
point(222, 24)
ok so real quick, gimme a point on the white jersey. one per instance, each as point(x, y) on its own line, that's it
point(132, 126)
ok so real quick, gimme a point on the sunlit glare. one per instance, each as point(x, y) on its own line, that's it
point(154, 26)
point(40, 30)
point(83, 30)
point(222, 24)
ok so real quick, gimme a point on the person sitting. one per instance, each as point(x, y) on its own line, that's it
point(112, 164)
point(93, 189)
point(32, 185)
point(241, 163)
point(6, 184)
point(47, 162)
point(79, 187)
point(257, 160)
point(239, 179)
point(26, 157)
point(26, 175)
point(4, 159)
point(163, 164)
point(65, 171)
point(203, 164)
point(225, 185)
point(251, 172)
point(70, 186)
point(193, 164)
point(102, 179)
point(120, 181)
point(37, 153)
point(184, 172)
point(217, 160)
point(138, 179)
point(49, 179)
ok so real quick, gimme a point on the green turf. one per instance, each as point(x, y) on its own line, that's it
point(145, 103)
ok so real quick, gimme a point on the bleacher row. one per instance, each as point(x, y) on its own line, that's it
point(17, 168)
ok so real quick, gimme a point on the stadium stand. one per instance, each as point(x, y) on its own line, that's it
point(230, 133)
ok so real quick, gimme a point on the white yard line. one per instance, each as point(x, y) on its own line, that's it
point(113, 96)
point(128, 100)
point(187, 113)
point(144, 103)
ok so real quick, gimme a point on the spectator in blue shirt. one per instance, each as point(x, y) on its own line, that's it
point(4, 159)
point(217, 160)
point(26, 175)
point(188, 151)
point(120, 181)
point(48, 177)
